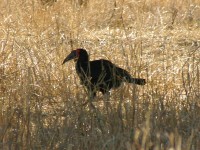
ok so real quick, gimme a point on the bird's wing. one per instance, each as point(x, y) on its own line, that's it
point(101, 70)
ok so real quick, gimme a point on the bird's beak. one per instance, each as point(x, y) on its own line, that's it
point(71, 56)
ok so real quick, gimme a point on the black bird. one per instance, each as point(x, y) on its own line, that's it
point(99, 75)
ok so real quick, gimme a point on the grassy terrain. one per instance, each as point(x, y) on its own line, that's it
point(41, 100)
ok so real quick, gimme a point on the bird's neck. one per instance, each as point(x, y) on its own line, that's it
point(82, 63)
point(83, 60)
point(82, 66)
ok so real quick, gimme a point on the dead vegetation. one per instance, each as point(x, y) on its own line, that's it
point(40, 100)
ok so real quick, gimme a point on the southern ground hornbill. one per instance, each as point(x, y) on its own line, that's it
point(99, 75)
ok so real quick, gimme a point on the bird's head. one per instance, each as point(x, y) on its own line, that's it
point(78, 54)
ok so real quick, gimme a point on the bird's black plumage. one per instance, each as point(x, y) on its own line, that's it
point(99, 75)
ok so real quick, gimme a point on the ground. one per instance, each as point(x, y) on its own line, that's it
point(41, 99)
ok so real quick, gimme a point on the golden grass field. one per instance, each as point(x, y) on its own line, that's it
point(41, 100)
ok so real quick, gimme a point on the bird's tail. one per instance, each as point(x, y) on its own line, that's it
point(138, 81)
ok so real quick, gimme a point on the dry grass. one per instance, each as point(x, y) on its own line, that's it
point(40, 100)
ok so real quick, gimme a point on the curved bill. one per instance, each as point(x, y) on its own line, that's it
point(71, 56)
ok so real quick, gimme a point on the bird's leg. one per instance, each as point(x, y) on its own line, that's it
point(106, 98)
point(95, 112)
point(92, 95)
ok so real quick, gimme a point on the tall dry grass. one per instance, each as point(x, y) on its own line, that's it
point(40, 100)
